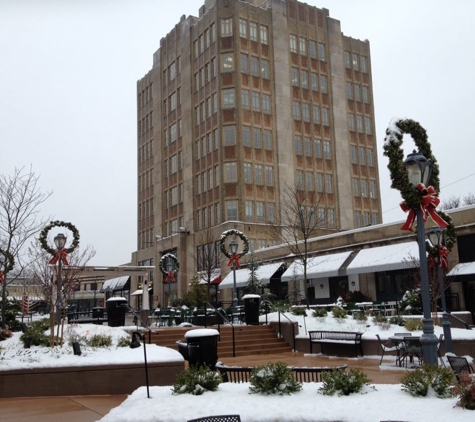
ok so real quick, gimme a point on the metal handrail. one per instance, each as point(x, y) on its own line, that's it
point(223, 315)
point(466, 324)
point(279, 324)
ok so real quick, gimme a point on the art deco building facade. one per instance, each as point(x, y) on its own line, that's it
point(244, 100)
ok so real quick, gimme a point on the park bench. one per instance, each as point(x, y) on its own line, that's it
point(336, 337)
point(238, 374)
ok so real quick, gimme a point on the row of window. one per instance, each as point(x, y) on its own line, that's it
point(172, 102)
point(306, 47)
point(259, 175)
point(364, 188)
point(254, 65)
point(204, 40)
point(310, 181)
point(206, 109)
point(260, 138)
point(206, 74)
point(173, 164)
point(208, 179)
point(260, 102)
point(257, 33)
point(365, 218)
point(145, 180)
point(362, 155)
point(311, 113)
point(172, 227)
point(145, 123)
point(357, 92)
point(145, 209)
point(356, 124)
point(173, 132)
point(312, 148)
point(355, 61)
point(208, 256)
point(144, 96)
point(174, 196)
point(146, 238)
point(145, 151)
point(207, 144)
point(208, 216)
point(305, 79)
point(259, 211)
point(169, 74)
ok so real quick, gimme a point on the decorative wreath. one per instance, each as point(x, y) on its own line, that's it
point(9, 262)
point(163, 263)
point(398, 172)
point(44, 236)
point(233, 232)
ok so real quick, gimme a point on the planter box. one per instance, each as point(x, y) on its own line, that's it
point(86, 380)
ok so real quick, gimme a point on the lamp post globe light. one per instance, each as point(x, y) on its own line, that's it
point(233, 246)
point(170, 269)
point(59, 241)
point(419, 169)
point(436, 237)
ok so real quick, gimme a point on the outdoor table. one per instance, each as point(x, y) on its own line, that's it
point(408, 343)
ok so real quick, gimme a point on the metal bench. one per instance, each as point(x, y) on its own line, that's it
point(336, 337)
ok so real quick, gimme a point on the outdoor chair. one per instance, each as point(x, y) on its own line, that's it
point(441, 339)
point(222, 418)
point(387, 348)
point(459, 365)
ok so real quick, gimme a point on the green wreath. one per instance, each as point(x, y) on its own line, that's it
point(164, 260)
point(233, 232)
point(9, 261)
point(44, 236)
point(398, 172)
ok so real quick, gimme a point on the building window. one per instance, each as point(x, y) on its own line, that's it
point(265, 69)
point(249, 205)
point(354, 155)
point(269, 176)
point(296, 108)
point(325, 116)
point(365, 94)
point(247, 173)
point(364, 65)
point(243, 28)
point(258, 174)
point(270, 212)
point(320, 186)
point(217, 177)
point(312, 46)
point(359, 123)
point(349, 90)
point(355, 62)
point(321, 51)
point(374, 218)
point(327, 152)
point(215, 103)
point(256, 99)
point(351, 122)
point(246, 136)
point(304, 79)
point(232, 210)
point(367, 125)
point(316, 114)
point(264, 36)
point(254, 66)
point(347, 57)
point(306, 112)
point(229, 135)
point(260, 211)
point(356, 187)
point(358, 219)
point(362, 155)
point(294, 76)
point(303, 46)
point(314, 81)
point(323, 84)
point(293, 43)
point(329, 183)
point(226, 27)
point(228, 98)
point(244, 63)
point(299, 179)
point(245, 98)
point(267, 139)
point(298, 145)
point(257, 138)
point(364, 188)
point(309, 180)
point(372, 189)
point(357, 92)
point(253, 31)
point(266, 103)
point(370, 156)
point(308, 147)
point(318, 148)
point(230, 172)
point(331, 217)
point(227, 62)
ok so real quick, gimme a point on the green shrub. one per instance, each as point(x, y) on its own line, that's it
point(342, 382)
point(99, 340)
point(282, 305)
point(411, 302)
point(465, 391)
point(339, 312)
point(36, 331)
point(417, 382)
point(360, 316)
point(196, 381)
point(380, 319)
point(273, 378)
point(298, 311)
point(320, 313)
point(4, 334)
point(396, 320)
point(124, 341)
point(413, 324)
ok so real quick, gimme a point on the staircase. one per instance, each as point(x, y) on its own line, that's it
point(250, 339)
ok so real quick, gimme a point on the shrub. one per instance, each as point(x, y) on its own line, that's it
point(273, 378)
point(4, 334)
point(36, 331)
point(413, 324)
point(99, 340)
point(396, 320)
point(339, 312)
point(411, 302)
point(196, 381)
point(360, 316)
point(124, 341)
point(320, 313)
point(465, 391)
point(342, 382)
point(417, 382)
point(298, 311)
point(282, 305)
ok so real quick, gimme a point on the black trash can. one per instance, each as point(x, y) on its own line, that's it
point(251, 309)
point(202, 347)
point(116, 311)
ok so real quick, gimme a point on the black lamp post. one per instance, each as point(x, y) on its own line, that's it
point(170, 269)
point(136, 343)
point(419, 169)
point(59, 241)
point(233, 246)
point(436, 237)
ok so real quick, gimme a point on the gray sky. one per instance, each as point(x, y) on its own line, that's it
point(68, 77)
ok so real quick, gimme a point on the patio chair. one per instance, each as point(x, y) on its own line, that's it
point(459, 365)
point(412, 348)
point(387, 348)
point(222, 418)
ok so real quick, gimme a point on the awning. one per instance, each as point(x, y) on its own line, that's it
point(116, 284)
point(317, 267)
point(464, 268)
point(264, 273)
point(399, 256)
point(215, 277)
point(138, 292)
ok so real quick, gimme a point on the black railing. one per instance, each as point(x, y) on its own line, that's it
point(266, 303)
point(222, 315)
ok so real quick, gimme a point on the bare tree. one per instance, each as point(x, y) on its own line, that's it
point(45, 275)
point(208, 259)
point(450, 203)
point(300, 217)
point(253, 285)
point(469, 199)
point(20, 200)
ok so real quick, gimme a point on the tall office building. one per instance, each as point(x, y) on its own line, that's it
point(244, 100)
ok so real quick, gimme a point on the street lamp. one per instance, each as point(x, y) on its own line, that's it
point(233, 246)
point(170, 269)
point(419, 169)
point(59, 241)
point(436, 237)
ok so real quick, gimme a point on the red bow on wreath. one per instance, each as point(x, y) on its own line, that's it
point(170, 278)
point(60, 254)
point(2, 278)
point(428, 205)
point(234, 259)
point(443, 258)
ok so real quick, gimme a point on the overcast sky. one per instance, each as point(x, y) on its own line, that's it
point(68, 75)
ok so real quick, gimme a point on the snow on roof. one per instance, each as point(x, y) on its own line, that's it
point(464, 268)
point(115, 283)
point(263, 273)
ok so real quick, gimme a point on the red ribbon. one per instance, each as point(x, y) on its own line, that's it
point(60, 254)
point(443, 253)
point(429, 202)
point(234, 259)
point(2, 278)
point(170, 278)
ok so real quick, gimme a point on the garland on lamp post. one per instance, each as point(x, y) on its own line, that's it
point(59, 254)
point(234, 258)
point(169, 275)
point(8, 265)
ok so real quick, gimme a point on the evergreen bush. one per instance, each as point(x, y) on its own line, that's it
point(418, 382)
point(274, 378)
point(196, 381)
point(413, 324)
point(343, 382)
